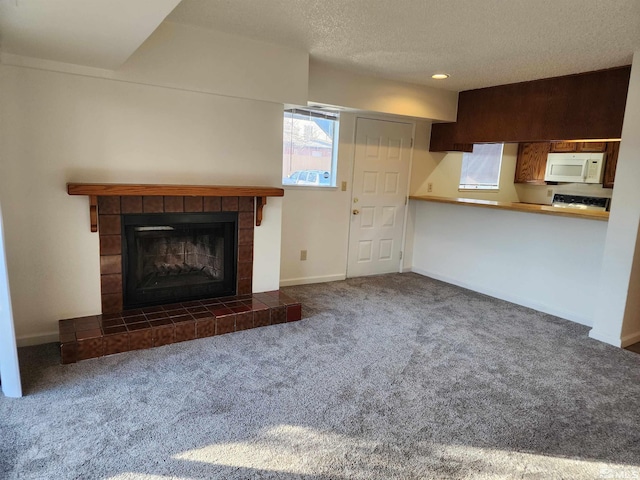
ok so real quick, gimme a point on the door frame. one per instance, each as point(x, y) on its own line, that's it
point(9, 367)
point(382, 118)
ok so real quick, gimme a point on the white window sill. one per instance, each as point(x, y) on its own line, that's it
point(307, 187)
point(484, 190)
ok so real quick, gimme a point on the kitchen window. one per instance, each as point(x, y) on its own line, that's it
point(310, 147)
point(481, 168)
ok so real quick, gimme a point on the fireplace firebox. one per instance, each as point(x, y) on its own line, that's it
point(158, 240)
point(178, 257)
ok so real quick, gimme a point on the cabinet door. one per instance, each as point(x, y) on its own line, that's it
point(463, 147)
point(592, 146)
point(562, 147)
point(531, 163)
point(612, 163)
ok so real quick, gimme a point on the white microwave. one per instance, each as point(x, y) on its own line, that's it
point(575, 167)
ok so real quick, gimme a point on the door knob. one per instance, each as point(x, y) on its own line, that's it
point(356, 212)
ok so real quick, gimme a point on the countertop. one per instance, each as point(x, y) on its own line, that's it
point(519, 207)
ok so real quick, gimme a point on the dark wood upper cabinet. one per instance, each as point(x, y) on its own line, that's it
point(443, 141)
point(583, 106)
point(532, 159)
point(568, 147)
point(563, 147)
point(592, 146)
point(531, 163)
point(612, 163)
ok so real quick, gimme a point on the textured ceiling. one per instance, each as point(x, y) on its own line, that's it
point(479, 43)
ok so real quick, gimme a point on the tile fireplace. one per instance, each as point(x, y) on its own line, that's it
point(173, 267)
point(117, 213)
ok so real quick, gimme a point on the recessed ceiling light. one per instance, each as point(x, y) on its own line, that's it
point(440, 76)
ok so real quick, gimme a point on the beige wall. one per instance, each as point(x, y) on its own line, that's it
point(196, 59)
point(190, 106)
point(332, 86)
point(630, 333)
point(56, 128)
point(317, 220)
point(205, 60)
point(617, 313)
point(442, 170)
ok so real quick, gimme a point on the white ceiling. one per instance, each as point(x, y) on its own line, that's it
point(479, 43)
point(95, 33)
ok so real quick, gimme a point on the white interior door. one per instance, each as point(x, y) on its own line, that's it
point(380, 186)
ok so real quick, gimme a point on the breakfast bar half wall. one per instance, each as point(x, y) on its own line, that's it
point(547, 262)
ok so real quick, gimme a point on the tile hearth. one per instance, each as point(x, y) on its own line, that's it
point(99, 335)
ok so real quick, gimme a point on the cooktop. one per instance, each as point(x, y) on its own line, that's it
point(577, 201)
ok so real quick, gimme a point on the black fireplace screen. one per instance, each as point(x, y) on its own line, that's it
point(176, 257)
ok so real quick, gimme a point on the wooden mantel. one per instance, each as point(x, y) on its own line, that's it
point(95, 190)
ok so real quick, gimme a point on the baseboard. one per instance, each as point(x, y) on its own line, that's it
point(307, 280)
point(407, 269)
point(30, 340)
point(603, 337)
point(525, 302)
point(630, 339)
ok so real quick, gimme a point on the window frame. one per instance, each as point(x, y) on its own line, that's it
point(304, 173)
point(488, 189)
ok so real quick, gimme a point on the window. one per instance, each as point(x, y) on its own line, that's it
point(481, 168)
point(310, 147)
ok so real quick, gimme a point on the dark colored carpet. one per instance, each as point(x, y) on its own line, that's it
point(395, 376)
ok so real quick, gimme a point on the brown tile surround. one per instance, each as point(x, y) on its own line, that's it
point(111, 208)
point(117, 331)
point(109, 333)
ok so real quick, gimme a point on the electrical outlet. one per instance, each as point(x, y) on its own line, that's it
point(549, 193)
point(303, 254)
point(344, 186)
point(429, 187)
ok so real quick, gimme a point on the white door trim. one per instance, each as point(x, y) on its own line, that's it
point(406, 210)
point(9, 368)
point(402, 121)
